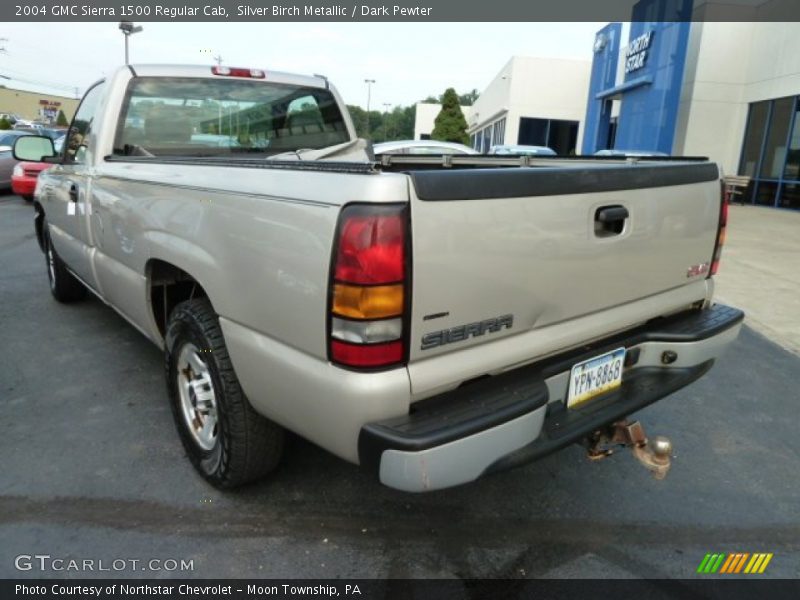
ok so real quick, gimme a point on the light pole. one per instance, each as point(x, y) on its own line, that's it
point(128, 29)
point(386, 106)
point(369, 83)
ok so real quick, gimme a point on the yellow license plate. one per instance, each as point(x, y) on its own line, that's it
point(595, 376)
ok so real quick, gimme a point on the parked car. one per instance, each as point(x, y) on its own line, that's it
point(7, 164)
point(7, 160)
point(24, 176)
point(422, 147)
point(629, 153)
point(53, 132)
point(10, 117)
point(522, 150)
point(403, 316)
point(9, 136)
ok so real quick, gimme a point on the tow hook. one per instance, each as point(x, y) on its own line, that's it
point(654, 454)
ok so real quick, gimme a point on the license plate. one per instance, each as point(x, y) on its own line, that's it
point(595, 376)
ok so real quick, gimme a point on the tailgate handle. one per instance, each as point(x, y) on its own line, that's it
point(610, 220)
point(609, 214)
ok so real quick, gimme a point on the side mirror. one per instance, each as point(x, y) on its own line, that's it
point(34, 148)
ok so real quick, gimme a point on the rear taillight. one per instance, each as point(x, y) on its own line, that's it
point(369, 287)
point(720, 242)
point(238, 72)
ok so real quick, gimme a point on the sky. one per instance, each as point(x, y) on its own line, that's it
point(408, 61)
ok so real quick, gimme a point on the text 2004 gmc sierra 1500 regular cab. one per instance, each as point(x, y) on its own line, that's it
point(432, 319)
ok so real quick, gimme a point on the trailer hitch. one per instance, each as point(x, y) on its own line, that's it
point(654, 454)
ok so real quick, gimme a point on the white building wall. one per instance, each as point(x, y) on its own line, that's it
point(729, 66)
point(543, 88)
point(712, 110)
point(493, 102)
point(547, 88)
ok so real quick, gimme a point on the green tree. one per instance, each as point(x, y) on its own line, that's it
point(61, 119)
point(5, 124)
point(469, 98)
point(450, 124)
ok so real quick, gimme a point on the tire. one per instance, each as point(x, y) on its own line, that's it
point(27, 197)
point(226, 440)
point(63, 284)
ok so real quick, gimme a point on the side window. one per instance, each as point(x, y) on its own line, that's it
point(78, 135)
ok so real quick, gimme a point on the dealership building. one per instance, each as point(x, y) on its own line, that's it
point(35, 106)
point(726, 90)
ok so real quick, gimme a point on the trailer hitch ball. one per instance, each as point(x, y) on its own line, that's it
point(655, 454)
point(662, 447)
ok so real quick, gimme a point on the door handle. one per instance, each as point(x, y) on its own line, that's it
point(73, 192)
point(609, 214)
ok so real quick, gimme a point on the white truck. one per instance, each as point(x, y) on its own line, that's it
point(432, 319)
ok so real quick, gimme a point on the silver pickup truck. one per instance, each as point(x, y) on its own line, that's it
point(433, 319)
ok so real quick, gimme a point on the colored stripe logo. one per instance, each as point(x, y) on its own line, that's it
point(736, 562)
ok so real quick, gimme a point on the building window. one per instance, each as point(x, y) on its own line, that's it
point(790, 196)
point(771, 152)
point(775, 150)
point(792, 170)
point(561, 136)
point(499, 133)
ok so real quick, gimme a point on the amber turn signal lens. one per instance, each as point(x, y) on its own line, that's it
point(371, 302)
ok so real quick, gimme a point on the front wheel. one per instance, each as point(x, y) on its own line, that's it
point(226, 440)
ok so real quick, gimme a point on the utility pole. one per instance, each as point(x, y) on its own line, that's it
point(128, 29)
point(218, 59)
point(369, 83)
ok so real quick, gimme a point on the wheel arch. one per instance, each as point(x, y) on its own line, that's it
point(167, 286)
point(38, 224)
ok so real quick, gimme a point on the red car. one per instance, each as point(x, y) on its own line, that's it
point(23, 178)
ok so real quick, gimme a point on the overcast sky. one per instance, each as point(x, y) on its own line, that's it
point(408, 61)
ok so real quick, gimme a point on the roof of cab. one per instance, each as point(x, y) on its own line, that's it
point(155, 70)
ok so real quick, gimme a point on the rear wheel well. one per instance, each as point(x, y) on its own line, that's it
point(169, 286)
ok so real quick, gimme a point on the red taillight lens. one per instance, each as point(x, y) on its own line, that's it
point(368, 287)
point(366, 355)
point(238, 72)
point(371, 250)
point(721, 233)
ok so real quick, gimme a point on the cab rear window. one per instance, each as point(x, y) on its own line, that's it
point(213, 117)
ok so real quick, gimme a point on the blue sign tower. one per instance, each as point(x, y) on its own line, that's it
point(649, 93)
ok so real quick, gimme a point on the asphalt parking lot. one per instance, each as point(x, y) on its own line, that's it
point(92, 468)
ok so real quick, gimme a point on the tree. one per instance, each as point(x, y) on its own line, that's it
point(61, 119)
point(469, 98)
point(450, 124)
point(5, 124)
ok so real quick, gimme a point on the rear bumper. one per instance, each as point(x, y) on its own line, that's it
point(510, 419)
point(23, 186)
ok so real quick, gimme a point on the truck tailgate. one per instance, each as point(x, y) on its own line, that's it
point(498, 252)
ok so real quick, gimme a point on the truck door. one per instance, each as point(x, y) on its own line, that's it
point(67, 201)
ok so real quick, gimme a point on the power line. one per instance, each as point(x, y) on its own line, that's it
point(16, 75)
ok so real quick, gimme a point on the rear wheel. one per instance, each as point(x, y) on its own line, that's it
point(226, 440)
point(63, 285)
